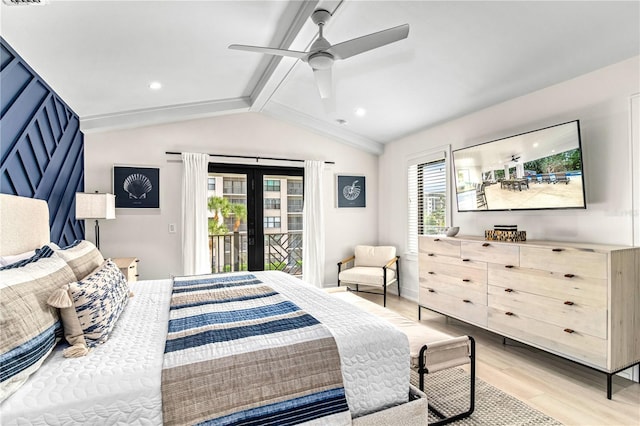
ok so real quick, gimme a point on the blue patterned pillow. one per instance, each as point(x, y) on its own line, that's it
point(89, 308)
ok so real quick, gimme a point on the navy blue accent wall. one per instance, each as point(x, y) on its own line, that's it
point(42, 148)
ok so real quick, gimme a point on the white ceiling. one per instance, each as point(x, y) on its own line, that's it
point(100, 56)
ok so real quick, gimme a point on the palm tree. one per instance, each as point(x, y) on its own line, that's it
point(239, 212)
point(220, 206)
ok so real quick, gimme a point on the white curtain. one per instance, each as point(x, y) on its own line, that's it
point(195, 230)
point(313, 224)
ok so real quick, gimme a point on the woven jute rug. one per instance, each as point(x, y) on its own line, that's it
point(448, 391)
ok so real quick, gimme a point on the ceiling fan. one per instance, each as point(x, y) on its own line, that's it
point(322, 54)
point(514, 158)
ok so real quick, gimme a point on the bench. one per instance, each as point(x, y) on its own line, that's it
point(431, 350)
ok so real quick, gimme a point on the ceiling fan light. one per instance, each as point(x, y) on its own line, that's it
point(321, 60)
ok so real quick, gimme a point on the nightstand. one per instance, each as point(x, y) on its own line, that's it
point(128, 266)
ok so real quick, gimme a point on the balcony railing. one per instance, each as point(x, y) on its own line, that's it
point(282, 252)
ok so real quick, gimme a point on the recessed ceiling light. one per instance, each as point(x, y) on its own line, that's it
point(155, 85)
point(361, 112)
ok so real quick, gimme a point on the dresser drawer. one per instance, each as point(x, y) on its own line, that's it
point(565, 260)
point(575, 345)
point(463, 270)
point(562, 313)
point(439, 245)
point(580, 289)
point(489, 251)
point(464, 309)
point(476, 293)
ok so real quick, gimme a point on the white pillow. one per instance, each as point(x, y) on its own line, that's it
point(13, 258)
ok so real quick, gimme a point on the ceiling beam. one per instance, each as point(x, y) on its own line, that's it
point(279, 67)
point(171, 113)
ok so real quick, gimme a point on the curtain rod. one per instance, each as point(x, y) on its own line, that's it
point(248, 157)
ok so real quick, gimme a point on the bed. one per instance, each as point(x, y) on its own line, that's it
point(122, 379)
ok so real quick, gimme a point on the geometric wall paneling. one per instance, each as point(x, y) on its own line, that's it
point(41, 146)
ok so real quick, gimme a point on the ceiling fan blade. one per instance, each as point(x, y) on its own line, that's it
point(363, 44)
point(270, 51)
point(323, 81)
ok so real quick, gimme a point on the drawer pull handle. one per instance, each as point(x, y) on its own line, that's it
point(568, 330)
point(508, 290)
point(436, 239)
point(466, 301)
point(431, 273)
point(132, 266)
point(509, 314)
point(430, 254)
point(430, 290)
point(466, 260)
point(137, 260)
point(508, 266)
point(568, 303)
point(486, 245)
point(466, 280)
point(557, 249)
point(137, 275)
point(569, 275)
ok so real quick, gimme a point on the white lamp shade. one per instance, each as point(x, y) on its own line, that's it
point(95, 206)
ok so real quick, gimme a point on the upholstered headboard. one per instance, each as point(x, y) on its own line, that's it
point(24, 224)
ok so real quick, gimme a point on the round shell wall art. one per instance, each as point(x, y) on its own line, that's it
point(351, 191)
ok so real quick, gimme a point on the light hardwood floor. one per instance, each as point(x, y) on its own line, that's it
point(568, 392)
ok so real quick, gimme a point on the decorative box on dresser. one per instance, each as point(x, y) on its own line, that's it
point(579, 301)
point(128, 266)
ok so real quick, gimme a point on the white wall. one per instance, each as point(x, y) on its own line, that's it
point(144, 233)
point(600, 100)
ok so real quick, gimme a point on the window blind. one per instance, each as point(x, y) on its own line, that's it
point(427, 190)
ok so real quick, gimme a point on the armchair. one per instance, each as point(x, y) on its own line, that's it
point(374, 266)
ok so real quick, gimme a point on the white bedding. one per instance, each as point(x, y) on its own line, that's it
point(119, 381)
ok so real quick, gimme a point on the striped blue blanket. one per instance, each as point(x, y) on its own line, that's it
point(239, 353)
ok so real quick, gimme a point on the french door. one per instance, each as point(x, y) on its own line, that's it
point(255, 218)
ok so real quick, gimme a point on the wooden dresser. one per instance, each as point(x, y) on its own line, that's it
point(579, 301)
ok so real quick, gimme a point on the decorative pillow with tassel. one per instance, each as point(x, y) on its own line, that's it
point(90, 308)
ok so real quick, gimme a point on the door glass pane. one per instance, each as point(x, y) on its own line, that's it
point(227, 201)
point(283, 223)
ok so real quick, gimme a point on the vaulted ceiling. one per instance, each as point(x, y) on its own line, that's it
point(459, 57)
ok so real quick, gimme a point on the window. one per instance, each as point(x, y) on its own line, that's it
point(234, 186)
point(272, 203)
point(212, 184)
point(272, 222)
point(294, 187)
point(295, 223)
point(428, 198)
point(295, 205)
point(272, 185)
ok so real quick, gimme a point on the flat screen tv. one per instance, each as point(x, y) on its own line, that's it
point(541, 169)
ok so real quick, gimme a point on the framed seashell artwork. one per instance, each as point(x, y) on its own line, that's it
point(351, 191)
point(136, 187)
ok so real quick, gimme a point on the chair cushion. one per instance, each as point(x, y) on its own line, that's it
point(366, 276)
point(373, 255)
